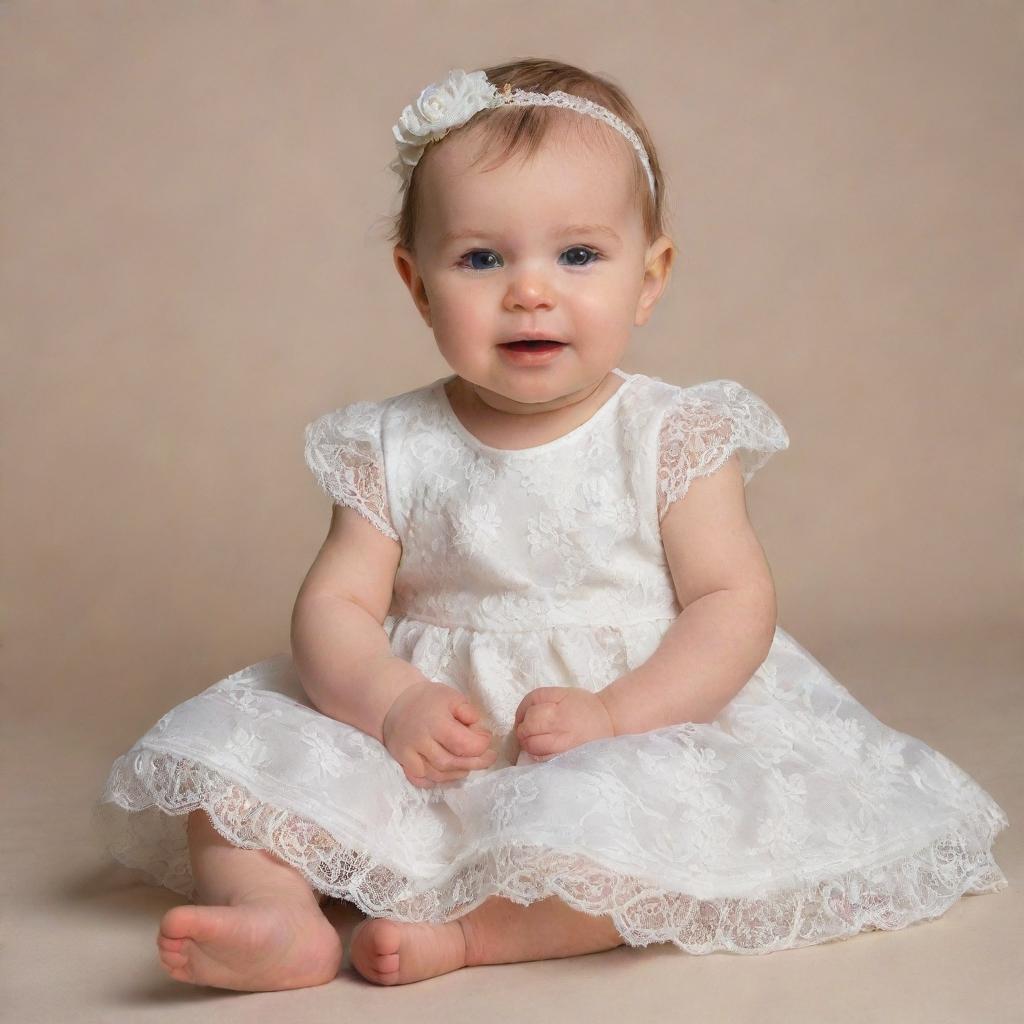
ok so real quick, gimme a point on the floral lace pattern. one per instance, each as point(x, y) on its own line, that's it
point(344, 453)
point(706, 424)
point(794, 817)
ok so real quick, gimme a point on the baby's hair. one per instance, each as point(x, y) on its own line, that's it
point(510, 130)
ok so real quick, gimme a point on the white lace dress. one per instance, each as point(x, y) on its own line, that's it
point(795, 817)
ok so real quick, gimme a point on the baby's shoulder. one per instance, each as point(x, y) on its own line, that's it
point(352, 450)
point(721, 390)
point(663, 406)
point(368, 419)
point(699, 426)
point(723, 404)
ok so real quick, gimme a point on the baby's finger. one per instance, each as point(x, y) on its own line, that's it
point(471, 764)
point(443, 759)
point(463, 742)
point(415, 771)
point(540, 716)
point(427, 775)
point(449, 774)
point(456, 725)
point(438, 777)
point(466, 713)
point(541, 743)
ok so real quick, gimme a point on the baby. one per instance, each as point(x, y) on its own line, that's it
point(532, 275)
point(537, 704)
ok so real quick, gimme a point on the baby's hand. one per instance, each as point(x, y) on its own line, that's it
point(552, 719)
point(429, 731)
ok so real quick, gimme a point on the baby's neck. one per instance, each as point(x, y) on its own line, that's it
point(513, 430)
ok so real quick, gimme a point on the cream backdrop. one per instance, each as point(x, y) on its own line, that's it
point(194, 202)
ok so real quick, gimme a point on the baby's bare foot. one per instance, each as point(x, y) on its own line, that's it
point(396, 953)
point(261, 946)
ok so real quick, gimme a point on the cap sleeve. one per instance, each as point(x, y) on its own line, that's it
point(344, 452)
point(703, 426)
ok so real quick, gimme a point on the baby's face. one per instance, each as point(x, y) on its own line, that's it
point(555, 245)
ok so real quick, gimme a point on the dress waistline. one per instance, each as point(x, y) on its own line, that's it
point(537, 628)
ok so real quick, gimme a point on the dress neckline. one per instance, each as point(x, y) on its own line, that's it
point(459, 427)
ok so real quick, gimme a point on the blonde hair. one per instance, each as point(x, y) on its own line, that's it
point(511, 130)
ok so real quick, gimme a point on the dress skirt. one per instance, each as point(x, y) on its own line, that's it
point(795, 817)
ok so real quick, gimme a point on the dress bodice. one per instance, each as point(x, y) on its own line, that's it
point(562, 533)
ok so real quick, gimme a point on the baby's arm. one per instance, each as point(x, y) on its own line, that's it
point(344, 660)
point(725, 630)
point(339, 647)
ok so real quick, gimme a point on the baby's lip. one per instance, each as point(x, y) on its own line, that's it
point(533, 337)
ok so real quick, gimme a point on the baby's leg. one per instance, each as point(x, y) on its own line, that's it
point(501, 931)
point(258, 926)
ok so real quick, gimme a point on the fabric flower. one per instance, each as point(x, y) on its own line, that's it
point(439, 108)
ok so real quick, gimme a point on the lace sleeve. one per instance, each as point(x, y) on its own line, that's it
point(344, 452)
point(707, 423)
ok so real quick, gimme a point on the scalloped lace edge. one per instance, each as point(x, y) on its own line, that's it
point(907, 889)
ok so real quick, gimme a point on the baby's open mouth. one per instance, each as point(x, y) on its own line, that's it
point(531, 345)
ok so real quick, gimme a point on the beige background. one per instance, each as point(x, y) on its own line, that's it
point(194, 198)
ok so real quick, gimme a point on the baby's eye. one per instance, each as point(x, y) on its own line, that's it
point(477, 252)
point(589, 256)
point(586, 252)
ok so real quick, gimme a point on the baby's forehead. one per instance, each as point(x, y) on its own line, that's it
point(572, 141)
point(571, 174)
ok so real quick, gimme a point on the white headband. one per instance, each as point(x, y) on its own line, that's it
point(445, 105)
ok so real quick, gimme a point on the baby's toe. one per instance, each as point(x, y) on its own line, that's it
point(393, 953)
point(374, 950)
point(173, 957)
point(177, 965)
point(386, 963)
point(168, 945)
point(385, 939)
point(180, 923)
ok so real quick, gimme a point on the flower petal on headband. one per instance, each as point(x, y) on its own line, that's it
point(440, 107)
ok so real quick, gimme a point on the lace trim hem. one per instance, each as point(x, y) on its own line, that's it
point(902, 891)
